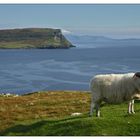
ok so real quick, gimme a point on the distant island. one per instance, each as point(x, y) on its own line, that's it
point(33, 38)
point(91, 41)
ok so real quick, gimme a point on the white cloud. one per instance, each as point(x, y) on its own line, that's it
point(65, 32)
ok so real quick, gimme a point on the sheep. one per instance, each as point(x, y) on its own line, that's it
point(114, 88)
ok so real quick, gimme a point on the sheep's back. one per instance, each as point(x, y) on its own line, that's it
point(111, 87)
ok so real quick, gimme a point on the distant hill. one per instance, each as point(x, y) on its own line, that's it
point(101, 41)
point(40, 38)
point(87, 38)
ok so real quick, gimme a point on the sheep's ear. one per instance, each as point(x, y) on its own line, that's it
point(137, 74)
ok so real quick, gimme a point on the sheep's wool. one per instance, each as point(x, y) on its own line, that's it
point(114, 88)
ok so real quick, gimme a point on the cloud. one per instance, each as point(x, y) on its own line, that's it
point(66, 31)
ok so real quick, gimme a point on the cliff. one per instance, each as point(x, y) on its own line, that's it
point(39, 38)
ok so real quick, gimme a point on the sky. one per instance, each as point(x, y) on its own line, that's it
point(112, 20)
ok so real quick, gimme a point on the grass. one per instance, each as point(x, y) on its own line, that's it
point(15, 45)
point(49, 114)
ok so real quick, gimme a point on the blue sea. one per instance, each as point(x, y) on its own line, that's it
point(24, 71)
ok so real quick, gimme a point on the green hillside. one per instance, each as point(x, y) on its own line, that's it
point(50, 114)
point(40, 38)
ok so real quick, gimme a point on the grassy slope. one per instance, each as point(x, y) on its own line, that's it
point(49, 113)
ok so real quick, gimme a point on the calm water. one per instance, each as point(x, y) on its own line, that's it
point(23, 71)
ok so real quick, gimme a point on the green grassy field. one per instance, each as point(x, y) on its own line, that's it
point(49, 114)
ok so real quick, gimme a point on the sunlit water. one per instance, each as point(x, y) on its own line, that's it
point(23, 71)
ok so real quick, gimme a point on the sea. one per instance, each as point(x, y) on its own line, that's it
point(28, 70)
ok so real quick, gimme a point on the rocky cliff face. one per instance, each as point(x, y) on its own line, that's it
point(40, 38)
